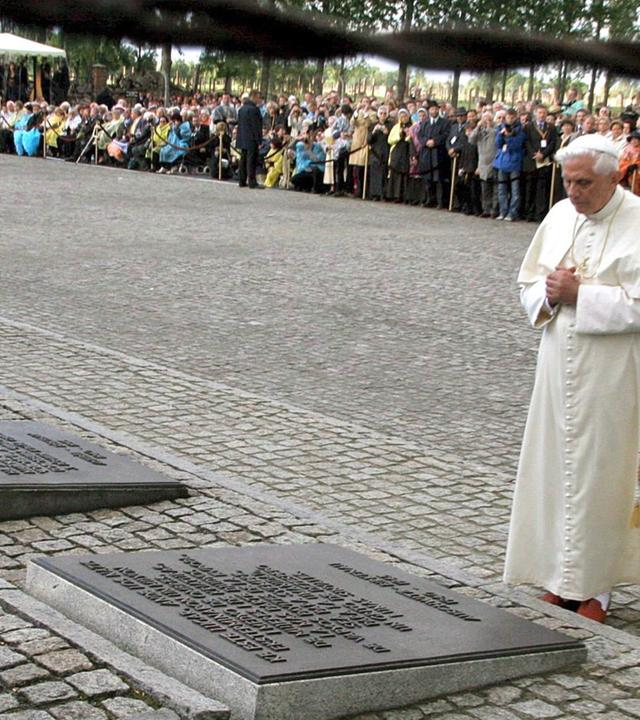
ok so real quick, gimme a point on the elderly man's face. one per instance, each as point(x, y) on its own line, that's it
point(587, 190)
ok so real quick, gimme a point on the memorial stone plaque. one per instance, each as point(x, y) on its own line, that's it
point(46, 471)
point(300, 631)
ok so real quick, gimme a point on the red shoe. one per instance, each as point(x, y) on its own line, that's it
point(549, 597)
point(593, 610)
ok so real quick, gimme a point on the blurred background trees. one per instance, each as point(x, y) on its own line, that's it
point(213, 71)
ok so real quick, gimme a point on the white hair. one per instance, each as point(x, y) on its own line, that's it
point(603, 162)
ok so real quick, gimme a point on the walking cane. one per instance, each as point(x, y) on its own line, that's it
point(453, 182)
point(553, 184)
point(286, 170)
point(366, 172)
point(220, 136)
point(86, 147)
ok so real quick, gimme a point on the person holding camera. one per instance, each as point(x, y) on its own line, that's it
point(510, 140)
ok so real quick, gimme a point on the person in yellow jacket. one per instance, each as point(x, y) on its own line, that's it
point(273, 161)
point(159, 136)
point(53, 130)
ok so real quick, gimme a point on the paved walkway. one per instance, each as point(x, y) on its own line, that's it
point(360, 375)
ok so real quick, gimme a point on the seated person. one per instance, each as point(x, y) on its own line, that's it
point(8, 116)
point(172, 153)
point(309, 172)
point(221, 164)
point(273, 163)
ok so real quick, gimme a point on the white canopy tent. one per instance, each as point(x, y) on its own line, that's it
point(16, 46)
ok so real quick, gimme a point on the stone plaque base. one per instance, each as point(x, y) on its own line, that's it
point(302, 632)
point(45, 471)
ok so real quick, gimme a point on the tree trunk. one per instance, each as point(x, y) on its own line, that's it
point(563, 88)
point(608, 82)
point(265, 76)
point(227, 83)
point(403, 68)
point(595, 71)
point(491, 81)
point(557, 86)
point(196, 79)
point(165, 69)
point(532, 80)
point(503, 89)
point(592, 88)
point(342, 86)
point(318, 78)
point(455, 88)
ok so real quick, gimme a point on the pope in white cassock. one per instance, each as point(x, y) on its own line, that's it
point(574, 526)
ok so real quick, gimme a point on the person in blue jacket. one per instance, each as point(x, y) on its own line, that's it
point(510, 139)
point(310, 158)
point(179, 137)
point(23, 136)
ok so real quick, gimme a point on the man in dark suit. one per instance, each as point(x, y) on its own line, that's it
point(541, 140)
point(249, 138)
point(456, 142)
point(433, 163)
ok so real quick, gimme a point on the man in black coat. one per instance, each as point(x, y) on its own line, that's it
point(433, 162)
point(456, 142)
point(541, 140)
point(249, 138)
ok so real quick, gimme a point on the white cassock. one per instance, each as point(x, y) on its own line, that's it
point(571, 529)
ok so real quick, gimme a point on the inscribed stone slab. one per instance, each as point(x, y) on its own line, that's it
point(47, 471)
point(260, 626)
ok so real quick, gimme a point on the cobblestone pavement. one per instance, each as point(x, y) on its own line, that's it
point(402, 319)
point(376, 378)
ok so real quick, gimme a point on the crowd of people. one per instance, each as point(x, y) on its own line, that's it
point(489, 160)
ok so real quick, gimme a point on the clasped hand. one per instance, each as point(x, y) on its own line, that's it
point(562, 286)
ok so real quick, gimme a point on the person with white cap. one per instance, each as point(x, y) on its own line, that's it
point(575, 524)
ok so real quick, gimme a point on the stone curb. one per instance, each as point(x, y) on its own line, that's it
point(442, 568)
point(185, 701)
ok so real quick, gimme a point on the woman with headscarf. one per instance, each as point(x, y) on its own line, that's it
point(415, 194)
point(399, 155)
